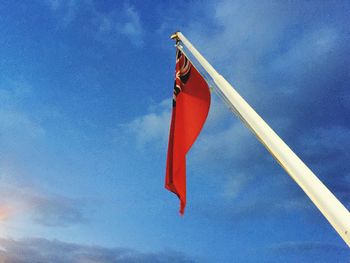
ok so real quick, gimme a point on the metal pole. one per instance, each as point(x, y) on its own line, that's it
point(334, 211)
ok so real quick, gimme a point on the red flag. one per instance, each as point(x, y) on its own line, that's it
point(191, 101)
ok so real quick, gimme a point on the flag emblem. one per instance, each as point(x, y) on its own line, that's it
point(182, 73)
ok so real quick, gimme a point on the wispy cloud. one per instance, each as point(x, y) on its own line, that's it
point(235, 185)
point(110, 27)
point(44, 250)
point(107, 27)
point(15, 123)
point(66, 10)
point(299, 246)
point(131, 27)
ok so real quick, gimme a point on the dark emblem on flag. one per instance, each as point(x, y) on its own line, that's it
point(182, 74)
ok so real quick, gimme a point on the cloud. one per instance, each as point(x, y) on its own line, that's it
point(306, 251)
point(43, 209)
point(66, 10)
point(154, 125)
point(308, 51)
point(18, 124)
point(57, 211)
point(5, 212)
point(257, 45)
point(233, 143)
point(107, 27)
point(234, 186)
point(110, 27)
point(44, 250)
point(151, 127)
point(305, 246)
point(132, 26)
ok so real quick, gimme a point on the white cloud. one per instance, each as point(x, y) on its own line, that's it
point(226, 143)
point(153, 126)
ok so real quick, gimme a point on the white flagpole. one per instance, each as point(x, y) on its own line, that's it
point(335, 212)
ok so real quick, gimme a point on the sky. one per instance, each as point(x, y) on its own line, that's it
point(85, 101)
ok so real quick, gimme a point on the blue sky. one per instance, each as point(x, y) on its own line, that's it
point(85, 100)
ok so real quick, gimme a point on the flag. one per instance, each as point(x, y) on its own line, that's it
point(191, 101)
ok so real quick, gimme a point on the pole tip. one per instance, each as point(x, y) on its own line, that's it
point(175, 36)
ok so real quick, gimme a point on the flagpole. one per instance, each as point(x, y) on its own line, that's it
point(334, 211)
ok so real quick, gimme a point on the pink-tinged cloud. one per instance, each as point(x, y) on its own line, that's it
point(42, 208)
point(5, 212)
